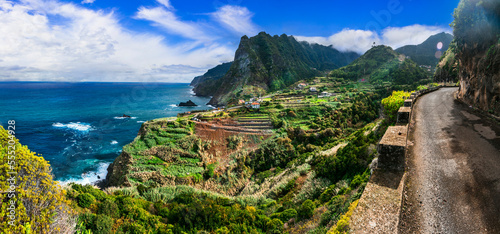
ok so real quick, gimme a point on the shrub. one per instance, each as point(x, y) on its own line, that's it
point(307, 209)
point(40, 201)
point(110, 208)
point(209, 171)
point(421, 87)
point(161, 210)
point(327, 194)
point(153, 196)
point(392, 103)
point(85, 200)
point(234, 141)
point(288, 214)
point(103, 224)
point(343, 223)
point(275, 226)
point(98, 194)
point(359, 179)
point(141, 189)
point(133, 228)
point(87, 220)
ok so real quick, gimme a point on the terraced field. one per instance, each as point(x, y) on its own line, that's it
point(255, 121)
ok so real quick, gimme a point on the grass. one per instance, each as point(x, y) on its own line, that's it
point(155, 161)
point(182, 170)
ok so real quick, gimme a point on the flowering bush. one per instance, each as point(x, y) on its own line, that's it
point(39, 204)
point(392, 103)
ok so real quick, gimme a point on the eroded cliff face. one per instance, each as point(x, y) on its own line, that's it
point(118, 170)
point(479, 76)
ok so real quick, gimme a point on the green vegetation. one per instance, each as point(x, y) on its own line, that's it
point(85, 200)
point(205, 85)
point(425, 53)
point(392, 103)
point(475, 58)
point(343, 223)
point(447, 68)
point(381, 64)
point(263, 56)
point(39, 203)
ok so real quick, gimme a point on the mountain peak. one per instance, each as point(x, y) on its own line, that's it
point(428, 53)
point(266, 63)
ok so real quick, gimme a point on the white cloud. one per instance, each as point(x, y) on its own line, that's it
point(361, 40)
point(169, 21)
point(166, 3)
point(410, 35)
point(88, 45)
point(236, 18)
point(88, 1)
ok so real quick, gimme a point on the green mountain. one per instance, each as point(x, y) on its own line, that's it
point(425, 53)
point(379, 64)
point(205, 84)
point(266, 63)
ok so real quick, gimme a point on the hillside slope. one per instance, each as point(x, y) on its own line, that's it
point(266, 63)
point(425, 53)
point(447, 68)
point(381, 64)
point(203, 85)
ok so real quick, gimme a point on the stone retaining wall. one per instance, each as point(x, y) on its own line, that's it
point(379, 207)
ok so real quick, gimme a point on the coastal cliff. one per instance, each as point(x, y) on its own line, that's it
point(206, 84)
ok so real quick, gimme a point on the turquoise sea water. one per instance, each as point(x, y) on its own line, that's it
point(78, 127)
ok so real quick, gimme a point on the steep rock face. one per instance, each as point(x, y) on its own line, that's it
point(118, 170)
point(427, 52)
point(480, 77)
point(121, 167)
point(477, 34)
point(206, 84)
point(266, 63)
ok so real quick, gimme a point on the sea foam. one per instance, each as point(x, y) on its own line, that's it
point(121, 117)
point(90, 177)
point(78, 126)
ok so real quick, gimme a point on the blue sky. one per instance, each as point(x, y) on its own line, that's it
point(175, 40)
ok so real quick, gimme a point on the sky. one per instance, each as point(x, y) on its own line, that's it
point(176, 40)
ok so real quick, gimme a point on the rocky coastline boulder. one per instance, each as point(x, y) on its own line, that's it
point(188, 103)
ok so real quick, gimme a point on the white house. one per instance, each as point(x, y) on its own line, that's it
point(255, 105)
point(324, 94)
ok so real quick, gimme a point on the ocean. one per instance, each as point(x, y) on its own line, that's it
point(79, 128)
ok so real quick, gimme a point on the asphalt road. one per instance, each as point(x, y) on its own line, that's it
point(453, 169)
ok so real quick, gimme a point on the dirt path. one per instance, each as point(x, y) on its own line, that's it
point(453, 169)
